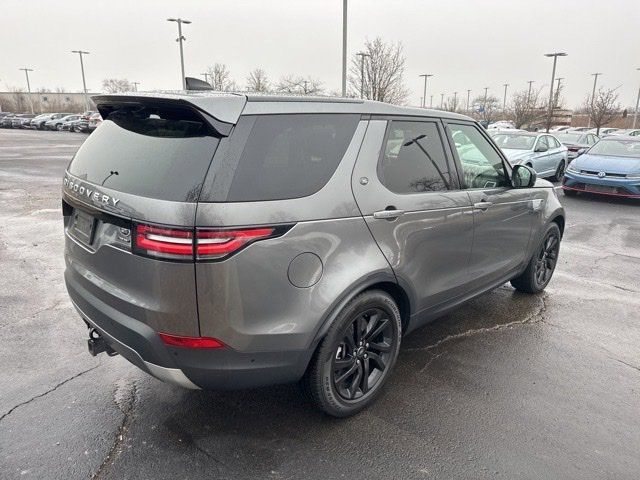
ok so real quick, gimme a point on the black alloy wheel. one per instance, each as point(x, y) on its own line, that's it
point(356, 356)
point(547, 258)
point(362, 355)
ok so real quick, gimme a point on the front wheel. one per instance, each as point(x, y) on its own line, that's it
point(355, 358)
point(559, 172)
point(542, 264)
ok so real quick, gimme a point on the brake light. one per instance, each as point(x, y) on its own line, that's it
point(189, 342)
point(214, 244)
point(164, 242)
point(200, 244)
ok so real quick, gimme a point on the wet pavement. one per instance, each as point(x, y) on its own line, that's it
point(508, 386)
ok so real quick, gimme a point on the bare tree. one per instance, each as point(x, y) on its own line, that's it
point(452, 104)
point(383, 78)
point(116, 85)
point(299, 85)
point(527, 108)
point(602, 108)
point(257, 81)
point(19, 101)
point(221, 78)
point(486, 107)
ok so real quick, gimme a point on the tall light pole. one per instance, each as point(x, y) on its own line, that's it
point(431, 101)
point(206, 76)
point(84, 83)
point(635, 116)
point(455, 101)
point(135, 86)
point(530, 82)
point(362, 56)
point(555, 56)
point(344, 48)
point(593, 94)
point(468, 99)
point(441, 101)
point(424, 93)
point(557, 97)
point(26, 72)
point(504, 100)
point(181, 39)
point(486, 89)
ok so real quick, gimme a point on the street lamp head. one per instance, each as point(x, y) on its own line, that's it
point(186, 21)
point(172, 19)
point(556, 54)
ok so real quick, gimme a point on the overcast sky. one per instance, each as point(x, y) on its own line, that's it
point(465, 44)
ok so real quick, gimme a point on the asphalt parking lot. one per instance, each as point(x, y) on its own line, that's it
point(509, 386)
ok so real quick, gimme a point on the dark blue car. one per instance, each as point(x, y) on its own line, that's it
point(610, 167)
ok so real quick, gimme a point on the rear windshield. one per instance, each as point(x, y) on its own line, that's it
point(276, 157)
point(153, 151)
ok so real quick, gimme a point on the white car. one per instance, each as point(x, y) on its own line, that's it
point(604, 131)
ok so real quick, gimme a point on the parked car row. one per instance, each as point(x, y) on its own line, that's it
point(70, 122)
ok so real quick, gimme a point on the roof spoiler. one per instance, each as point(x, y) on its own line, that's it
point(196, 84)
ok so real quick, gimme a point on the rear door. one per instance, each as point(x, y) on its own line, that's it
point(503, 216)
point(408, 192)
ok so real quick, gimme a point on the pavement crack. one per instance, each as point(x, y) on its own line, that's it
point(125, 397)
point(536, 317)
point(47, 392)
point(625, 363)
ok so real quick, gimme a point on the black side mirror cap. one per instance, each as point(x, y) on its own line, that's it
point(523, 176)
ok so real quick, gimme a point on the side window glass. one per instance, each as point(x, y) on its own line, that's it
point(413, 159)
point(482, 167)
point(542, 141)
point(553, 143)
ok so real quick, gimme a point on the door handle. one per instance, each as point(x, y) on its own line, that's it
point(483, 205)
point(388, 214)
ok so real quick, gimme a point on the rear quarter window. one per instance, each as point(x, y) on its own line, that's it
point(277, 157)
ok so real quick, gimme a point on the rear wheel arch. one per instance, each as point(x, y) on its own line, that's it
point(383, 281)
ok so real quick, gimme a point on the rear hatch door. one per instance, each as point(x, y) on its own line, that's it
point(129, 201)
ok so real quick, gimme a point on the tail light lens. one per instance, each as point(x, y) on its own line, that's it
point(202, 244)
point(190, 342)
point(171, 243)
point(215, 244)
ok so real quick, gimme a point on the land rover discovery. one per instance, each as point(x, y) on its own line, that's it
point(226, 241)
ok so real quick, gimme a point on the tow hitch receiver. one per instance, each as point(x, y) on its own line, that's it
point(96, 344)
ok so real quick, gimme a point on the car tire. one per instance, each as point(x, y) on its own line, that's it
point(59, 127)
point(542, 264)
point(559, 175)
point(368, 326)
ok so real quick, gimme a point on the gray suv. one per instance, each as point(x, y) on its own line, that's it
point(226, 241)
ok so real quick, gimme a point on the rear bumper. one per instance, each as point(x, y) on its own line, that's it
point(214, 369)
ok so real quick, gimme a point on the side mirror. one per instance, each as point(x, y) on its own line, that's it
point(541, 148)
point(581, 151)
point(523, 176)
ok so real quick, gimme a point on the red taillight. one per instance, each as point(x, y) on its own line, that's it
point(206, 244)
point(573, 148)
point(212, 244)
point(165, 242)
point(190, 342)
